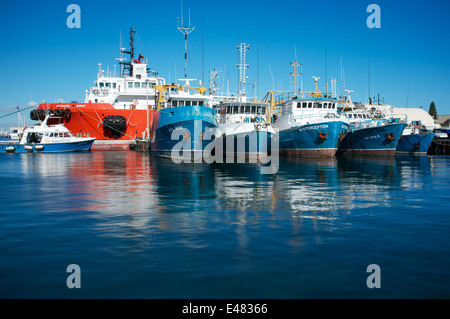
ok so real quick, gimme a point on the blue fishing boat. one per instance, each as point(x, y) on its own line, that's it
point(183, 124)
point(418, 125)
point(45, 138)
point(415, 140)
point(370, 136)
point(310, 126)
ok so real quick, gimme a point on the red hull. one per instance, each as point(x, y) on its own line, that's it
point(88, 119)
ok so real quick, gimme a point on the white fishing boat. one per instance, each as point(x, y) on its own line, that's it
point(45, 138)
point(244, 128)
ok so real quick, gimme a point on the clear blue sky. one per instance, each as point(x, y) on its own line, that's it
point(41, 58)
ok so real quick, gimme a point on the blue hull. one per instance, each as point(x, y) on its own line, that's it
point(47, 148)
point(320, 139)
point(183, 128)
point(415, 143)
point(379, 140)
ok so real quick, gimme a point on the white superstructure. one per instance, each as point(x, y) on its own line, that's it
point(133, 89)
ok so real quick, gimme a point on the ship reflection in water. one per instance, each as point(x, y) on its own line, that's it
point(143, 226)
point(128, 189)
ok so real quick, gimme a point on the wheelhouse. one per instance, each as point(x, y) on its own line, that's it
point(309, 106)
point(243, 112)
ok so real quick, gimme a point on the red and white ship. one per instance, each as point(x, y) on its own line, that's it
point(116, 111)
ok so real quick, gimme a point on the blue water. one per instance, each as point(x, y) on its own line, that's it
point(143, 227)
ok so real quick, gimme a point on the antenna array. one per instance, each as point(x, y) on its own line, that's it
point(242, 66)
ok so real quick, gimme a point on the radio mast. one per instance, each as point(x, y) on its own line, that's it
point(242, 66)
point(185, 30)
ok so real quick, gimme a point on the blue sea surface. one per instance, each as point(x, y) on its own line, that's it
point(140, 226)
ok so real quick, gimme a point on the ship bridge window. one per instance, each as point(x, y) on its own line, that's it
point(309, 105)
point(235, 109)
point(188, 103)
point(194, 103)
point(174, 103)
point(263, 111)
point(114, 85)
point(228, 109)
point(299, 105)
point(137, 85)
point(317, 105)
point(130, 85)
point(247, 109)
point(253, 109)
point(180, 103)
point(325, 105)
point(200, 103)
point(101, 84)
point(108, 84)
point(143, 85)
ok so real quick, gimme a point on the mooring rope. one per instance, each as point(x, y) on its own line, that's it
point(18, 111)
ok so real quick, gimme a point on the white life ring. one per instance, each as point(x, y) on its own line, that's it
point(136, 102)
point(102, 101)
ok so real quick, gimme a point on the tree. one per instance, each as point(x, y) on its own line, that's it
point(432, 110)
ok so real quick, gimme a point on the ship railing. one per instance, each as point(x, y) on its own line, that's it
point(365, 123)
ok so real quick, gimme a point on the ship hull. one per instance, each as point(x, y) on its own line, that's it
point(91, 120)
point(415, 143)
point(244, 141)
point(182, 131)
point(378, 140)
point(78, 146)
point(320, 139)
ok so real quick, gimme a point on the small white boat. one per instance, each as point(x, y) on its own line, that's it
point(45, 138)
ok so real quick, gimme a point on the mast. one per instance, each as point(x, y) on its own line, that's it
point(296, 75)
point(326, 69)
point(203, 56)
point(368, 74)
point(128, 65)
point(242, 66)
point(295, 64)
point(185, 30)
point(257, 63)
